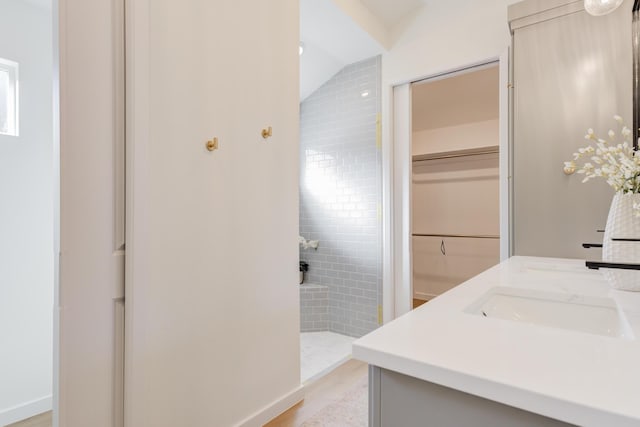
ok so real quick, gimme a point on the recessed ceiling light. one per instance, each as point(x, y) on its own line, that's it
point(301, 49)
point(364, 93)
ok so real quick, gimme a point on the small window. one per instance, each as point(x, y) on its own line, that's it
point(8, 97)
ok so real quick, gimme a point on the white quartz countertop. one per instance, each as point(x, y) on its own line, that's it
point(581, 378)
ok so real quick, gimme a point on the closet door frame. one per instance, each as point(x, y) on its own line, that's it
point(397, 292)
point(89, 214)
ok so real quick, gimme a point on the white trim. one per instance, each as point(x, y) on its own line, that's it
point(119, 129)
point(460, 71)
point(505, 153)
point(25, 410)
point(119, 206)
point(82, 313)
point(527, 13)
point(136, 193)
point(273, 409)
point(447, 72)
point(56, 105)
point(388, 300)
point(403, 278)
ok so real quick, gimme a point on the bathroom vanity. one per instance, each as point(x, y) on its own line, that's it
point(531, 341)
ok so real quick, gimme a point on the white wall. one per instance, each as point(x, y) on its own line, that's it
point(26, 218)
point(461, 137)
point(212, 325)
point(443, 37)
point(446, 36)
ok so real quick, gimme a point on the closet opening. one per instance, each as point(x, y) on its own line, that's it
point(455, 179)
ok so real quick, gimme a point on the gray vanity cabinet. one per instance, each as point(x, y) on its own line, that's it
point(570, 71)
point(399, 400)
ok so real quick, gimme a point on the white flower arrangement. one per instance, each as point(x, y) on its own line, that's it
point(617, 163)
point(308, 244)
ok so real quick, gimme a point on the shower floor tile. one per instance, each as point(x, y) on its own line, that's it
point(320, 352)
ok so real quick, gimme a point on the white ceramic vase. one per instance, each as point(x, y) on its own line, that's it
point(622, 224)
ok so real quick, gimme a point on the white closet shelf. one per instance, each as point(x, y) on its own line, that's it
point(492, 149)
point(463, 236)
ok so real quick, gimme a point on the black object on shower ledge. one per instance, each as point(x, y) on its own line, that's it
point(596, 265)
point(304, 267)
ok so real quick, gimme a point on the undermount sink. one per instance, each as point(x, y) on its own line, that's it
point(579, 313)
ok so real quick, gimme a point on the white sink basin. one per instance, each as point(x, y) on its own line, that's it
point(580, 313)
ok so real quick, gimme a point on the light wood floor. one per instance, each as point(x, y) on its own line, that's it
point(42, 420)
point(322, 393)
point(326, 390)
point(319, 394)
point(418, 302)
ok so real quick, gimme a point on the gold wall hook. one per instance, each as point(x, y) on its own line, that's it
point(569, 168)
point(266, 133)
point(212, 144)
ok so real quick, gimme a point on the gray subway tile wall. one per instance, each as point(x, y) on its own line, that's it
point(314, 308)
point(340, 194)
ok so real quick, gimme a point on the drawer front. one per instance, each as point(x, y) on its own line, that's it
point(435, 272)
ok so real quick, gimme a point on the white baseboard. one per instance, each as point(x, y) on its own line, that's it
point(25, 410)
point(423, 296)
point(274, 409)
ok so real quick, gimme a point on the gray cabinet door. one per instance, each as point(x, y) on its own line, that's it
point(570, 73)
point(400, 400)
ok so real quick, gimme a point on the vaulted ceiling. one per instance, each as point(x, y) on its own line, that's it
point(391, 12)
point(336, 33)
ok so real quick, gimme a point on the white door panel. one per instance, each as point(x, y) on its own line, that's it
point(401, 200)
point(212, 302)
